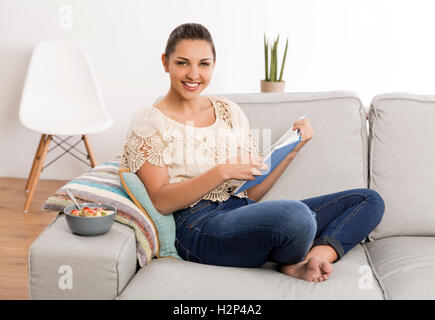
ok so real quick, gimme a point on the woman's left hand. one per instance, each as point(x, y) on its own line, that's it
point(306, 132)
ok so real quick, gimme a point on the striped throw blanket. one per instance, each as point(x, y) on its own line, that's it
point(102, 184)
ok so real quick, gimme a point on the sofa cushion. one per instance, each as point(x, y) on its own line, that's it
point(402, 166)
point(405, 266)
point(164, 224)
point(334, 160)
point(102, 184)
point(178, 279)
point(63, 265)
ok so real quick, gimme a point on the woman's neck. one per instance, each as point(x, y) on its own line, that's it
point(177, 103)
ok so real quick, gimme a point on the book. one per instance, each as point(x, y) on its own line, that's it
point(272, 157)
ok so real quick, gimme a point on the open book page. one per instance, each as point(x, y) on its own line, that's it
point(272, 157)
point(287, 138)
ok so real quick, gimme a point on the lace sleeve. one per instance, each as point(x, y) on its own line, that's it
point(138, 149)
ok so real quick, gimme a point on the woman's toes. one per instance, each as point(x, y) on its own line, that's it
point(320, 278)
point(326, 267)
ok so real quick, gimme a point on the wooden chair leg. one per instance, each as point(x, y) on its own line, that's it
point(89, 150)
point(35, 162)
point(37, 173)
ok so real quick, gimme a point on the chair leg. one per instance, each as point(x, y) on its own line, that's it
point(89, 150)
point(35, 162)
point(37, 173)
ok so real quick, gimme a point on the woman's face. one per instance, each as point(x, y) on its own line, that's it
point(190, 64)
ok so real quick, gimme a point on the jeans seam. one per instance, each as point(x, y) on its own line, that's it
point(180, 221)
point(188, 252)
point(350, 215)
point(196, 221)
point(204, 205)
point(316, 210)
point(193, 224)
point(245, 232)
point(219, 206)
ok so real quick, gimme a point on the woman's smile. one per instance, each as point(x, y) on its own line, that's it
point(191, 86)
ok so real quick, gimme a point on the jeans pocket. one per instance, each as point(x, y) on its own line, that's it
point(186, 254)
point(197, 221)
point(200, 207)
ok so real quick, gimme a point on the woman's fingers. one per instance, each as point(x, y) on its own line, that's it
point(256, 172)
point(304, 126)
point(263, 166)
point(257, 161)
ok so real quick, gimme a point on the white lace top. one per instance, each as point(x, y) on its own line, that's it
point(188, 151)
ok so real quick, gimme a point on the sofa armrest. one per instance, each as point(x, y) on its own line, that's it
point(63, 265)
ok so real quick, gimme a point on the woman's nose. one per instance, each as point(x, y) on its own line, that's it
point(193, 73)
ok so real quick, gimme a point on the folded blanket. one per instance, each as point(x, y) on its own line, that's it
point(102, 184)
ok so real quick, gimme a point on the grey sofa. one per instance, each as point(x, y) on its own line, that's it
point(391, 151)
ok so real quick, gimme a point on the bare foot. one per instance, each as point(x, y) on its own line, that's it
point(314, 269)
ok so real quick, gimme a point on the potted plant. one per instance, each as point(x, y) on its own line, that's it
point(272, 83)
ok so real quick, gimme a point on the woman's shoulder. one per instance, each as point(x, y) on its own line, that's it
point(142, 113)
point(238, 116)
point(147, 121)
point(226, 103)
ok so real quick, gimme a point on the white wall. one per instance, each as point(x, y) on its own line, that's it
point(369, 47)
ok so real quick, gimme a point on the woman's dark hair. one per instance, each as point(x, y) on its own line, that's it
point(188, 31)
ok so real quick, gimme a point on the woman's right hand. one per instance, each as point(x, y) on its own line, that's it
point(242, 168)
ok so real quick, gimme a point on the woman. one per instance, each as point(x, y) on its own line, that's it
point(214, 226)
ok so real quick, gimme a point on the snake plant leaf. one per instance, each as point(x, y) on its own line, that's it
point(283, 61)
point(273, 70)
point(266, 57)
point(271, 73)
point(272, 62)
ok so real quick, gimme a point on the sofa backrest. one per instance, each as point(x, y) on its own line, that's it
point(334, 160)
point(402, 163)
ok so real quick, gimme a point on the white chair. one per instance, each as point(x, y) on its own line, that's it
point(60, 97)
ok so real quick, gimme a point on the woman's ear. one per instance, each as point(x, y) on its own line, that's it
point(164, 62)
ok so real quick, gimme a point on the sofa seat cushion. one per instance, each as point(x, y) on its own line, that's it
point(177, 279)
point(405, 266)
point(63, 265)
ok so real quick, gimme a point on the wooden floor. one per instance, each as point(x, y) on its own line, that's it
point(18, 230)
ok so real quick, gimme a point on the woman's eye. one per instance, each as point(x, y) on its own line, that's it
point(204, 63)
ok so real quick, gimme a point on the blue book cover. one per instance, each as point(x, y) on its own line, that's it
point(272, 158)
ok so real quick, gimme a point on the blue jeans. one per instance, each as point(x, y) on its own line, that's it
point(240, 232)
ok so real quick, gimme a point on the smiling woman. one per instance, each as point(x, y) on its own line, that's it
point(214, 224)
point(189, 58)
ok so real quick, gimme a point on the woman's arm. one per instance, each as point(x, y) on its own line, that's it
point(170, 197)
point(258, 191)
